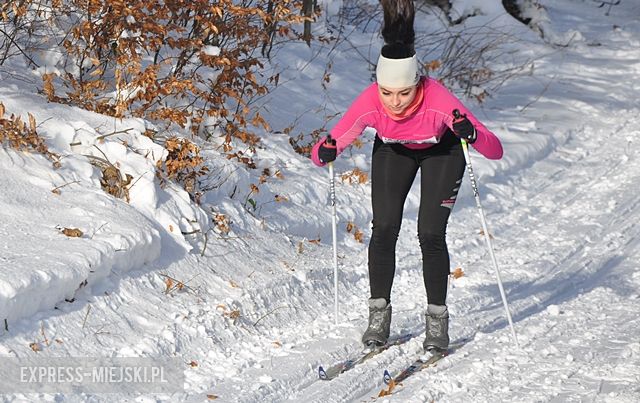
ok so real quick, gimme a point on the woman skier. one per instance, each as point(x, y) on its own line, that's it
point(412, 116)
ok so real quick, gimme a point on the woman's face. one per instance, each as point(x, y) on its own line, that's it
point(397, 99)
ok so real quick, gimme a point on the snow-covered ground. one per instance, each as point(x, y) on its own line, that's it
point(255, 318)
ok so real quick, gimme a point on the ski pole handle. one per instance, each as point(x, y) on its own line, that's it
point(457, 116)
point(330, 143)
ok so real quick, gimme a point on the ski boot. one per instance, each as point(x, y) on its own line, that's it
point(377, 332)
point(437, 332)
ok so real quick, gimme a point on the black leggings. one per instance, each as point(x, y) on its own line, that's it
point(393, 170)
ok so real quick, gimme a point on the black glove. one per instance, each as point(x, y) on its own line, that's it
point(463, 128)
point(328, 151)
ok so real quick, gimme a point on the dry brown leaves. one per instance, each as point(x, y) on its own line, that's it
point(182, 164)
point(72, 232)
point(387, 392)
point(457, 273)
point(114, 183)
point(222, 223)
point(24, 136)
point(355, 176)
point(172, 284)
point(358, 235)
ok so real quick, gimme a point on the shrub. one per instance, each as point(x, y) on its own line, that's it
point(22, 136)
point(182, 164)
point(197, 63)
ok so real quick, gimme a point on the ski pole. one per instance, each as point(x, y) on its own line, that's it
point(487, 237)
point(334, 232)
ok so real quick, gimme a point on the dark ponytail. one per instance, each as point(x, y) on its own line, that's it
point(397, 30)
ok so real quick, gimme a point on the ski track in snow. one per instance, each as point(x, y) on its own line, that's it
point(567, 235)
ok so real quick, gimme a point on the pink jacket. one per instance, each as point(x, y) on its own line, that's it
point(421, 130)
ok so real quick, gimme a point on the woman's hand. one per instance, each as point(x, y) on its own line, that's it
point(328, 151)
point(463, 128)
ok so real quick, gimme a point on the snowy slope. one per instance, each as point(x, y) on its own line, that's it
point(256, 316)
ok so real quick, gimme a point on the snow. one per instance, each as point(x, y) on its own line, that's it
point(469, 7)
point(211, 50)
point(255, 318)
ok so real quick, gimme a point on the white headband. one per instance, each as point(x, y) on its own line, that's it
point(397, 73)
